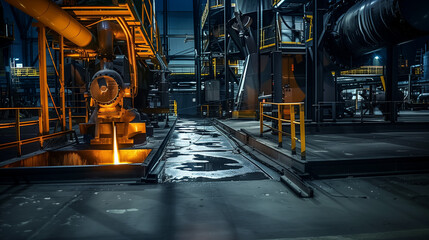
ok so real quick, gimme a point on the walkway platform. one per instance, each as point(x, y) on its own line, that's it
point(343, 149)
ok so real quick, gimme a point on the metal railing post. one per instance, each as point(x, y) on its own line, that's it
point(40, 128)
point(18, 132)
point(279, 119)
point(70, 120)
point(302, 129)
point(261, 119)
point(292, 128)
point(86, 114)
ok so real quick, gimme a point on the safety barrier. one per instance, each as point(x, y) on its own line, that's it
point(41, 137)
point(207, 107)
point(364, 70)
point(173, 107)
point(281, 107)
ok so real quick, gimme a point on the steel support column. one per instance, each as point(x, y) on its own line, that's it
point(165, 26)
point(43, 77)
point(276, 63)
point(227, 16)
point(197, 44)
point(258, 40)
point(62, 90)
point(316, 75)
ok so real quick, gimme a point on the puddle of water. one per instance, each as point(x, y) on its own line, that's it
point(208, 144)
point(201, 154)
point(209, 163)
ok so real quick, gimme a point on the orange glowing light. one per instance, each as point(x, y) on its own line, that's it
point(115, 147)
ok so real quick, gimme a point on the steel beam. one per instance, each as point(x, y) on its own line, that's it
point(43, 77)
point(227, 16)
point(165, 32)
point(197, 44)
point(62, 90)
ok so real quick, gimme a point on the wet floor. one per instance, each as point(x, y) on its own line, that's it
point(199, 152)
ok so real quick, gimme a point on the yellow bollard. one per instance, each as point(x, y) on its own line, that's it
point(292, 128)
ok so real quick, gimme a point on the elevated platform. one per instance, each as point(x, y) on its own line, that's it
point(343, 149)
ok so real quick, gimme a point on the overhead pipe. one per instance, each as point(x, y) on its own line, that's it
point(359, 27)
point(131, 55)
point(105, 40)
point(52, 16)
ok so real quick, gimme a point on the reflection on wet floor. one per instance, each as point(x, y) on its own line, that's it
point(198, 152)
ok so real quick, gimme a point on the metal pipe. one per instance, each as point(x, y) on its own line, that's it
point(105, 39)
point(131, 55)
point(56, 19)
point(373, 24)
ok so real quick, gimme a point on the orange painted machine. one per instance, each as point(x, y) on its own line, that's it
point(118, 42)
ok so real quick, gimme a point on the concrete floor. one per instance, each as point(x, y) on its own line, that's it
point(353, 142)
point(194, 201)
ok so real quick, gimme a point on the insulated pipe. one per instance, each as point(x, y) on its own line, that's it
point(372, 24)
point(105, 40)
point(56, 19)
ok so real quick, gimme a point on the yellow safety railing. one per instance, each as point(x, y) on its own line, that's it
point(207, 108)
point(281, 107)
point(25, 72)
point(364, 70)
point(268, 36)
point(29, 72)
point(309, 19)
point(173, 107)
point(18, 124)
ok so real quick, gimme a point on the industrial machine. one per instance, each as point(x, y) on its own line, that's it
point(355, 28)
point(302, 47)
point(118, 43)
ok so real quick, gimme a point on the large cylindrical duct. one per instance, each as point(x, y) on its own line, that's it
point(56, 19)
point(372, 24)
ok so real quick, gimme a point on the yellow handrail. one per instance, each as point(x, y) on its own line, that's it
point(174, 105)
point(364, 70)
point(41, 137)
point(208, 109)
point(280, 119)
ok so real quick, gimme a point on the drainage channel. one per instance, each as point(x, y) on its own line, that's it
point(198, 152)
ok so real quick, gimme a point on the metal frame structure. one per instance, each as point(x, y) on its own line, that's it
point(143, 42)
